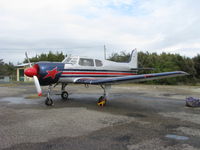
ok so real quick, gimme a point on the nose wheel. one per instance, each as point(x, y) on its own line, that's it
point(49, 101)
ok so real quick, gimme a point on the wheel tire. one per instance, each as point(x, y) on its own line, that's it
point(49, 102)
point(65, 95)
point(102, 101)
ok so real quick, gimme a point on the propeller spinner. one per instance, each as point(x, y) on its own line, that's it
point(33, 72)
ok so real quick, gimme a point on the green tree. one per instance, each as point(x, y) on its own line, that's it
point(196, 61)
point(122, 57)
point(54, 57)
point(6, 69)
point(164, 62)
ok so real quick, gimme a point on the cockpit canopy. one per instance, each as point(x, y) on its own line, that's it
point(83, 61)
point(70, 60)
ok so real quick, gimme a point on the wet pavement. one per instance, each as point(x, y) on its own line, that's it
point(137, 117)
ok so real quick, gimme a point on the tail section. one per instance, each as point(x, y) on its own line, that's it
point(133, 61)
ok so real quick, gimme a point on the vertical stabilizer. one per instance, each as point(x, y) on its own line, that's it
point(133, 62)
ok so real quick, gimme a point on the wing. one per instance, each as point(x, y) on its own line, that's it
point(128, 79)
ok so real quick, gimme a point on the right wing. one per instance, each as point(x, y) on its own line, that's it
point(128, 79)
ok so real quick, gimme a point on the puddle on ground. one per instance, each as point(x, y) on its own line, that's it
point(18, 100)
point(176, 137)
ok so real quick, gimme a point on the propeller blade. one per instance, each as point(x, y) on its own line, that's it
point(37, 85)
point(28, 59)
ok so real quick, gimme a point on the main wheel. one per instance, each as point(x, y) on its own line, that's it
point(49, 102)
point(64, 95)
point(102, 101)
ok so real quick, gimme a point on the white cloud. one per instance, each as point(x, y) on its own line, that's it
point(152, 25)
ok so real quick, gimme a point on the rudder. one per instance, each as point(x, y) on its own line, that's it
point(133, 62)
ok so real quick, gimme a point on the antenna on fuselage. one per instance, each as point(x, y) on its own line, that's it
point(104, 52)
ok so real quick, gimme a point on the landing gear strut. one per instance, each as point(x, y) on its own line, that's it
point(64, 93)
point(49, 101)
point(103, 99)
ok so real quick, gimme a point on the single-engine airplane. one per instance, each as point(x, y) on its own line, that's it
point(89, 71)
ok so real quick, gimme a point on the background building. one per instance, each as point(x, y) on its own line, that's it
point(4, 79)
point(20, 73)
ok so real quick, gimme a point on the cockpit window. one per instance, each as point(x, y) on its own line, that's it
point(98, 63)
point(67, 60)
point(71, 60)
point(86, 62)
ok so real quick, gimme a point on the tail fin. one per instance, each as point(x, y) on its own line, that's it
point(133, 61)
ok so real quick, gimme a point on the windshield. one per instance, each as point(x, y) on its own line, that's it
point(71, 60)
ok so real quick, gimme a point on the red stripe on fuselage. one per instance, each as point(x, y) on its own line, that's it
point(99, 73)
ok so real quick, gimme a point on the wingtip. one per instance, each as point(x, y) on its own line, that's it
point(187, 74)
point(184, 73)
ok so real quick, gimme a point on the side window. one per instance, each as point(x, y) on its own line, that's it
point(98, 63)
point(73, 60)
point(86, 62)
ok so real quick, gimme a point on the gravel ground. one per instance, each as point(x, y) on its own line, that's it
point(137, 117)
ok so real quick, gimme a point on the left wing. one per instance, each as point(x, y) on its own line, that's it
point(132, 78)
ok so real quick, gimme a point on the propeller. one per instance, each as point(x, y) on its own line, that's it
point(33, 72)
point(37, 85)
point(26, 54)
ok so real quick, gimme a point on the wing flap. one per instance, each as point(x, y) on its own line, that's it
point(133, 78)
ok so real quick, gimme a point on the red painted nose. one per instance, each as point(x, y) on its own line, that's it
point(30, 72)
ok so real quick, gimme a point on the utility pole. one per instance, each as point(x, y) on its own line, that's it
point(105, 52)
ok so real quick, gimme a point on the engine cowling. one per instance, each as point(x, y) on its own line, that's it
point(48, 73)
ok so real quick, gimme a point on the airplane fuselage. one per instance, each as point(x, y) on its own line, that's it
point(50, 73)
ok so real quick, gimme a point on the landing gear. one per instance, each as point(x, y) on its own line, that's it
point(49, 101)
point(103, 99)
point(64, 93)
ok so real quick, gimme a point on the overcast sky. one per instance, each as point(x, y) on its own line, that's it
point(82, 27)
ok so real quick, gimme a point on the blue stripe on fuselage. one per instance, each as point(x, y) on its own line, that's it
point(93, 70)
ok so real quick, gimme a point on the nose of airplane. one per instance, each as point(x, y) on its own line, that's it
point(30, 72)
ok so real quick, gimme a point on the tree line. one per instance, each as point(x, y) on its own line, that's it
point(163, 62)
point(6, 69)
point(56, 57)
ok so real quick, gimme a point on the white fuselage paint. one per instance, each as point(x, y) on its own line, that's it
point(74, 70)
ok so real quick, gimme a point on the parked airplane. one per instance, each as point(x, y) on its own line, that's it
point(89, 71)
